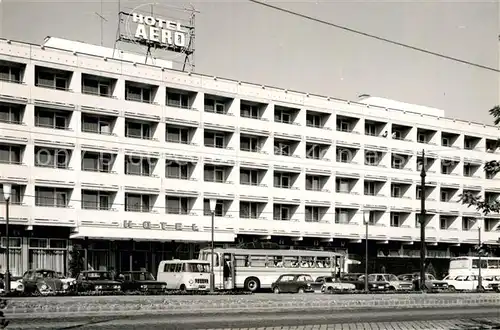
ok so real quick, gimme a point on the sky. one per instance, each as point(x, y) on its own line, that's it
point(248, 42)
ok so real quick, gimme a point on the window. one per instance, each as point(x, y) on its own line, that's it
point(10, 154)
point(445, 142)
point(96, 86)
point(96, 124)
point(468, 144)
point(281, 212)
point(313, 120)
point(138, 166)
point(9, 114)
point(52, 80)
point(214, 174)
point(344, 126)
point(395, 220)
point(313, 214)
point(467, 223)
point(51, 119)
point(396, 135)
point(342, 185)
point(138, 130)
point(219, 208)
point(371, 159)
point(248, 143)
point(56, 158)
point(341, 216)
point(444, 196)
point(138, 94)
point(177, 100)
point(249, 210)
point(98, 162)
point(314, 152)
point(177, 135)
point(51, 197)
point(419, 192)
point(422, 138)
point(177, 171)
point(216, 106)
point(443, 223)
point(177, 205)
point(137, 203)
point(445, 169)
point(95, 200)
point(249, 111)
point(370, 188)
point(397, 162)
point(343, 156)
point(282, 149)
point(282, 180)
point(396, 191)
point(281, 116)
point(313, 183)
point(370, 129)
point(9, 73)
point(15, 194)
point(249, 177)
point(215, 140)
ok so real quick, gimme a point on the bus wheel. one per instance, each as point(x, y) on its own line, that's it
point(252, 284)
point(182, 288)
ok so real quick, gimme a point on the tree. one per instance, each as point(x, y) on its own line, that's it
point(430, 269)
point(491, 168)
point(76, 262)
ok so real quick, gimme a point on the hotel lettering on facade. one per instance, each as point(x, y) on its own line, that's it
point(121, 158)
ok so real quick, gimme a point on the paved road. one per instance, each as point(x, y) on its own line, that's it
point(450, 319)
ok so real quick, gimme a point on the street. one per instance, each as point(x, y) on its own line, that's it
point(442, 318)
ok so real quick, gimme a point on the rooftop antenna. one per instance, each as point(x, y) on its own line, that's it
point(102, 21)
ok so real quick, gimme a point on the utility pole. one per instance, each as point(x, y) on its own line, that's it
point(479, 252)
point(422, 223)
point(366, 251)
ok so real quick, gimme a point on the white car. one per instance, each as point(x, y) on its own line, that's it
point(329, 284)
point(15, 286)
point(470, 282)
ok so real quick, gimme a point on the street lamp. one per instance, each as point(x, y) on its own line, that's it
point(366, 222)
point(212, 203)
point(7, 188)
point(479, 252)
point(422, 222)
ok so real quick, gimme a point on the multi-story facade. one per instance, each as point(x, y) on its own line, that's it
point(122, 159)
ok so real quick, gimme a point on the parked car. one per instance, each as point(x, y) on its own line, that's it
point(470, 283)
point(395, 284)
point(141, 281)
point(330, 284)
point(358, 279)
point(97, 281)
point(431, 283)
point(491, 283)
point(43, 282)
point(293, 283)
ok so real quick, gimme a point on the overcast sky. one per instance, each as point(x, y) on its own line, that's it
point(248, 42)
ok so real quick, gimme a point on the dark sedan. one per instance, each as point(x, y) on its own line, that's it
point(293, 283)
point(358, 279)
point(431, 283)
point(43, 282)
point(98, 282)
point(141, 282)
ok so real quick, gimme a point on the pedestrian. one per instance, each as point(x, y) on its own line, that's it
point(382, 269)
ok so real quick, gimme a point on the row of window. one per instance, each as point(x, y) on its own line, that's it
point(103, 86)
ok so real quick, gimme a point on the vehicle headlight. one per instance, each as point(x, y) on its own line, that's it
point(118, 287)
point(143, 286)
point(373, 284)
point(44, 287)
point(163, 286)
point(191, 282)
point(98, 287)
point(65, 286)
point(20, 287)
point(73, 283)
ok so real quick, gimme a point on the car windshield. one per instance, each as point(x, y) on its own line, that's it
point(391, 277)
point(197, 268)
point(304, 278)
point(140, 276)
point(371, 278)
point(98, 275)
point(46, 274)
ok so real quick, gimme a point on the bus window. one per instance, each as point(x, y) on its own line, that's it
point(257, 261)
point(322, 262)
point(169, 268)
point(291, 262)
point(274, 261)
point(208, 257)
point(242, 261)
point(197, 268)
point(307, 262)
point(493, 264)
point(475, 263)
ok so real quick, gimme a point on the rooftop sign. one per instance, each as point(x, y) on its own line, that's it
point(151, 30)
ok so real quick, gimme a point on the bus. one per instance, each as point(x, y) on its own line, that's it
point(254, 269)
point(490, 266)
point(185, 275)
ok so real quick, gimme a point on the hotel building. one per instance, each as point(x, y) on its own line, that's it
point(120, 159)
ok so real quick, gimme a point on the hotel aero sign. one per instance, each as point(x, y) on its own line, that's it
point(154, 30)
point(163, 225)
